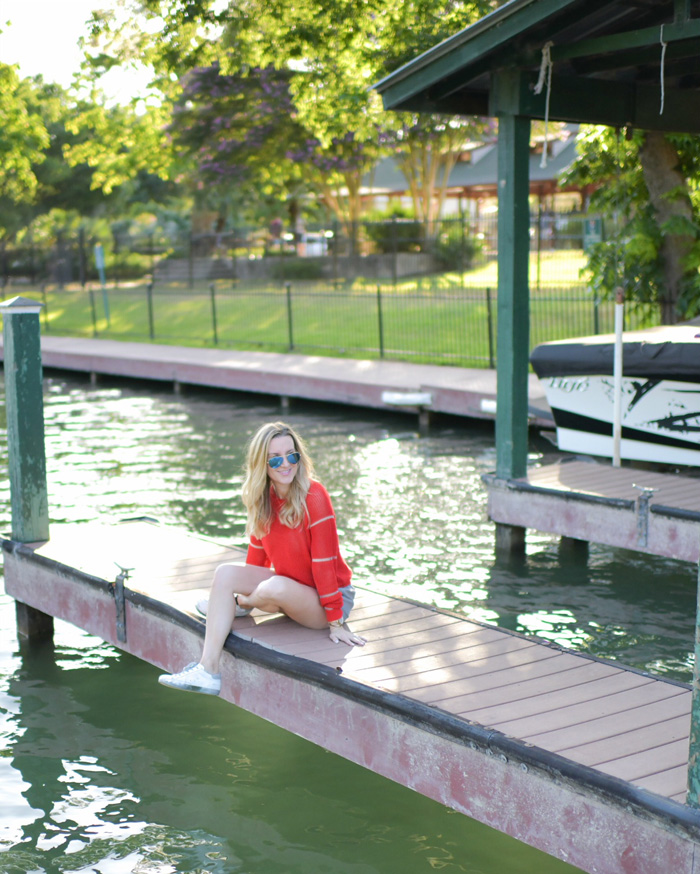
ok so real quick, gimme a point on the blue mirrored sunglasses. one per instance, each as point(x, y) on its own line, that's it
point(278, 460)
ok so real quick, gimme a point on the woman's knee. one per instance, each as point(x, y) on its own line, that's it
point(272, 589)
point(226, 575)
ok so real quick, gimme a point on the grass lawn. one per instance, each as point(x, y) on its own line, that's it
point(439, 319)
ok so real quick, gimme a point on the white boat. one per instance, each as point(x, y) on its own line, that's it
point(660, 393)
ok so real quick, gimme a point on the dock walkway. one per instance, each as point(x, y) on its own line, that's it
point(593, 501)
point(583, 758)
point(458, 391)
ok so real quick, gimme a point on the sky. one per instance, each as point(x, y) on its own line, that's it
point(43, 39)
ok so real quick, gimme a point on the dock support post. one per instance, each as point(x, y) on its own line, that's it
point(571, 549)
point(510, 541)
point(512, 353)
point(25, 441)
point(693, 796)
point(33, 625)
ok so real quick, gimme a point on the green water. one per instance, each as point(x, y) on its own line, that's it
point(104, 771)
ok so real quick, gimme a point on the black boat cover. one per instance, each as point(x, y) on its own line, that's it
point(668, 352)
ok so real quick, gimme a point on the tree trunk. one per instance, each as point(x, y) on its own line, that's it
point(668, 193)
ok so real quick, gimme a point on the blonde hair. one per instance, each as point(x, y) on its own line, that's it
point(256, 485)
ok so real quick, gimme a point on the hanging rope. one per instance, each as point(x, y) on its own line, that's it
point(661, 71)
point(545, 76)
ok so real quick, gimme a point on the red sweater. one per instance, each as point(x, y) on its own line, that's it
point(309, 554)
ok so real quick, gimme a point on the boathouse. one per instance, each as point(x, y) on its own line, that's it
point(612, 62)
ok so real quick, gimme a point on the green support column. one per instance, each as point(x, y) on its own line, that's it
point(25, 420)
point(693, 797)
point(25, 442)
point(513, 294)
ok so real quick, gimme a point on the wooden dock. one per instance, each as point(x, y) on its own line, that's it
point(374, 384)
point(582, 758)
point(593, 501)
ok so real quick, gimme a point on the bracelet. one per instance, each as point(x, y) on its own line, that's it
point(336, 623)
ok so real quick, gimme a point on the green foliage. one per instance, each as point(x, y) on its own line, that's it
point(637, 255)
point(23, 139)
point(630, 262)
point(118, 142)
point(394, 229)
point(235, 132)
point(297, 268)
point(455, 250)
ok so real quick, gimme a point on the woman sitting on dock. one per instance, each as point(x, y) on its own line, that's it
point(293, 565)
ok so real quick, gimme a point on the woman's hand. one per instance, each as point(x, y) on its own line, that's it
point(342, 634)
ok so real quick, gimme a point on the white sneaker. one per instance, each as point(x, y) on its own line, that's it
point(193, 678)
point(203, 604)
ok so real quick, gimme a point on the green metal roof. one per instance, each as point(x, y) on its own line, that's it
point(614, 62)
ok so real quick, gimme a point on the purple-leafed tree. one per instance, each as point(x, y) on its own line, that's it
point(335, 173)
point(236, 131)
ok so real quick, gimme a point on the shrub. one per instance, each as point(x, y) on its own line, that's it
point(297, 268)
point(393, 230)
point(454, 250)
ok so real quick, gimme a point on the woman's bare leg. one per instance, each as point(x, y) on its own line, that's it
point(279, 594)
point(229, 580)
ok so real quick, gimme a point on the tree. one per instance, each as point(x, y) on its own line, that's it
point(236, 132)
point(23, 138)
point(646, 184)
point(118, 142)
point(427, 145)
point(336, 50)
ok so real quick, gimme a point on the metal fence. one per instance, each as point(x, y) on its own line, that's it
point(385, 292)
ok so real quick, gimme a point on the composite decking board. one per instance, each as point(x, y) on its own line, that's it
point(449, 695)
point(637, 766)
point(364, 609)
point(428, 629)
point(278, 631)
point(605, 481)
point(416, 624)
point(442, 683)
point(391, 653)
point(655, 711)
point(671, 784)
point(546, 685)
point(622, 704)
point(429, 634)
point(457, 648)
point(396, 621)
point(458, 659)
point(570, 694)
point(637, 740)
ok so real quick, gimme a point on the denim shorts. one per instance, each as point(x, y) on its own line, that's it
point(348, 593)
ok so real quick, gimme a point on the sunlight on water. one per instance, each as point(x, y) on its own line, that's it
point(99, 773)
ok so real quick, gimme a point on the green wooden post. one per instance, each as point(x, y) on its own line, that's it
point(25, 443)
point(693, 797)
point(512, 352)
point(25, 420)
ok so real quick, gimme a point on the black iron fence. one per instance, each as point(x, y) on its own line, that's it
point(439, 325)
